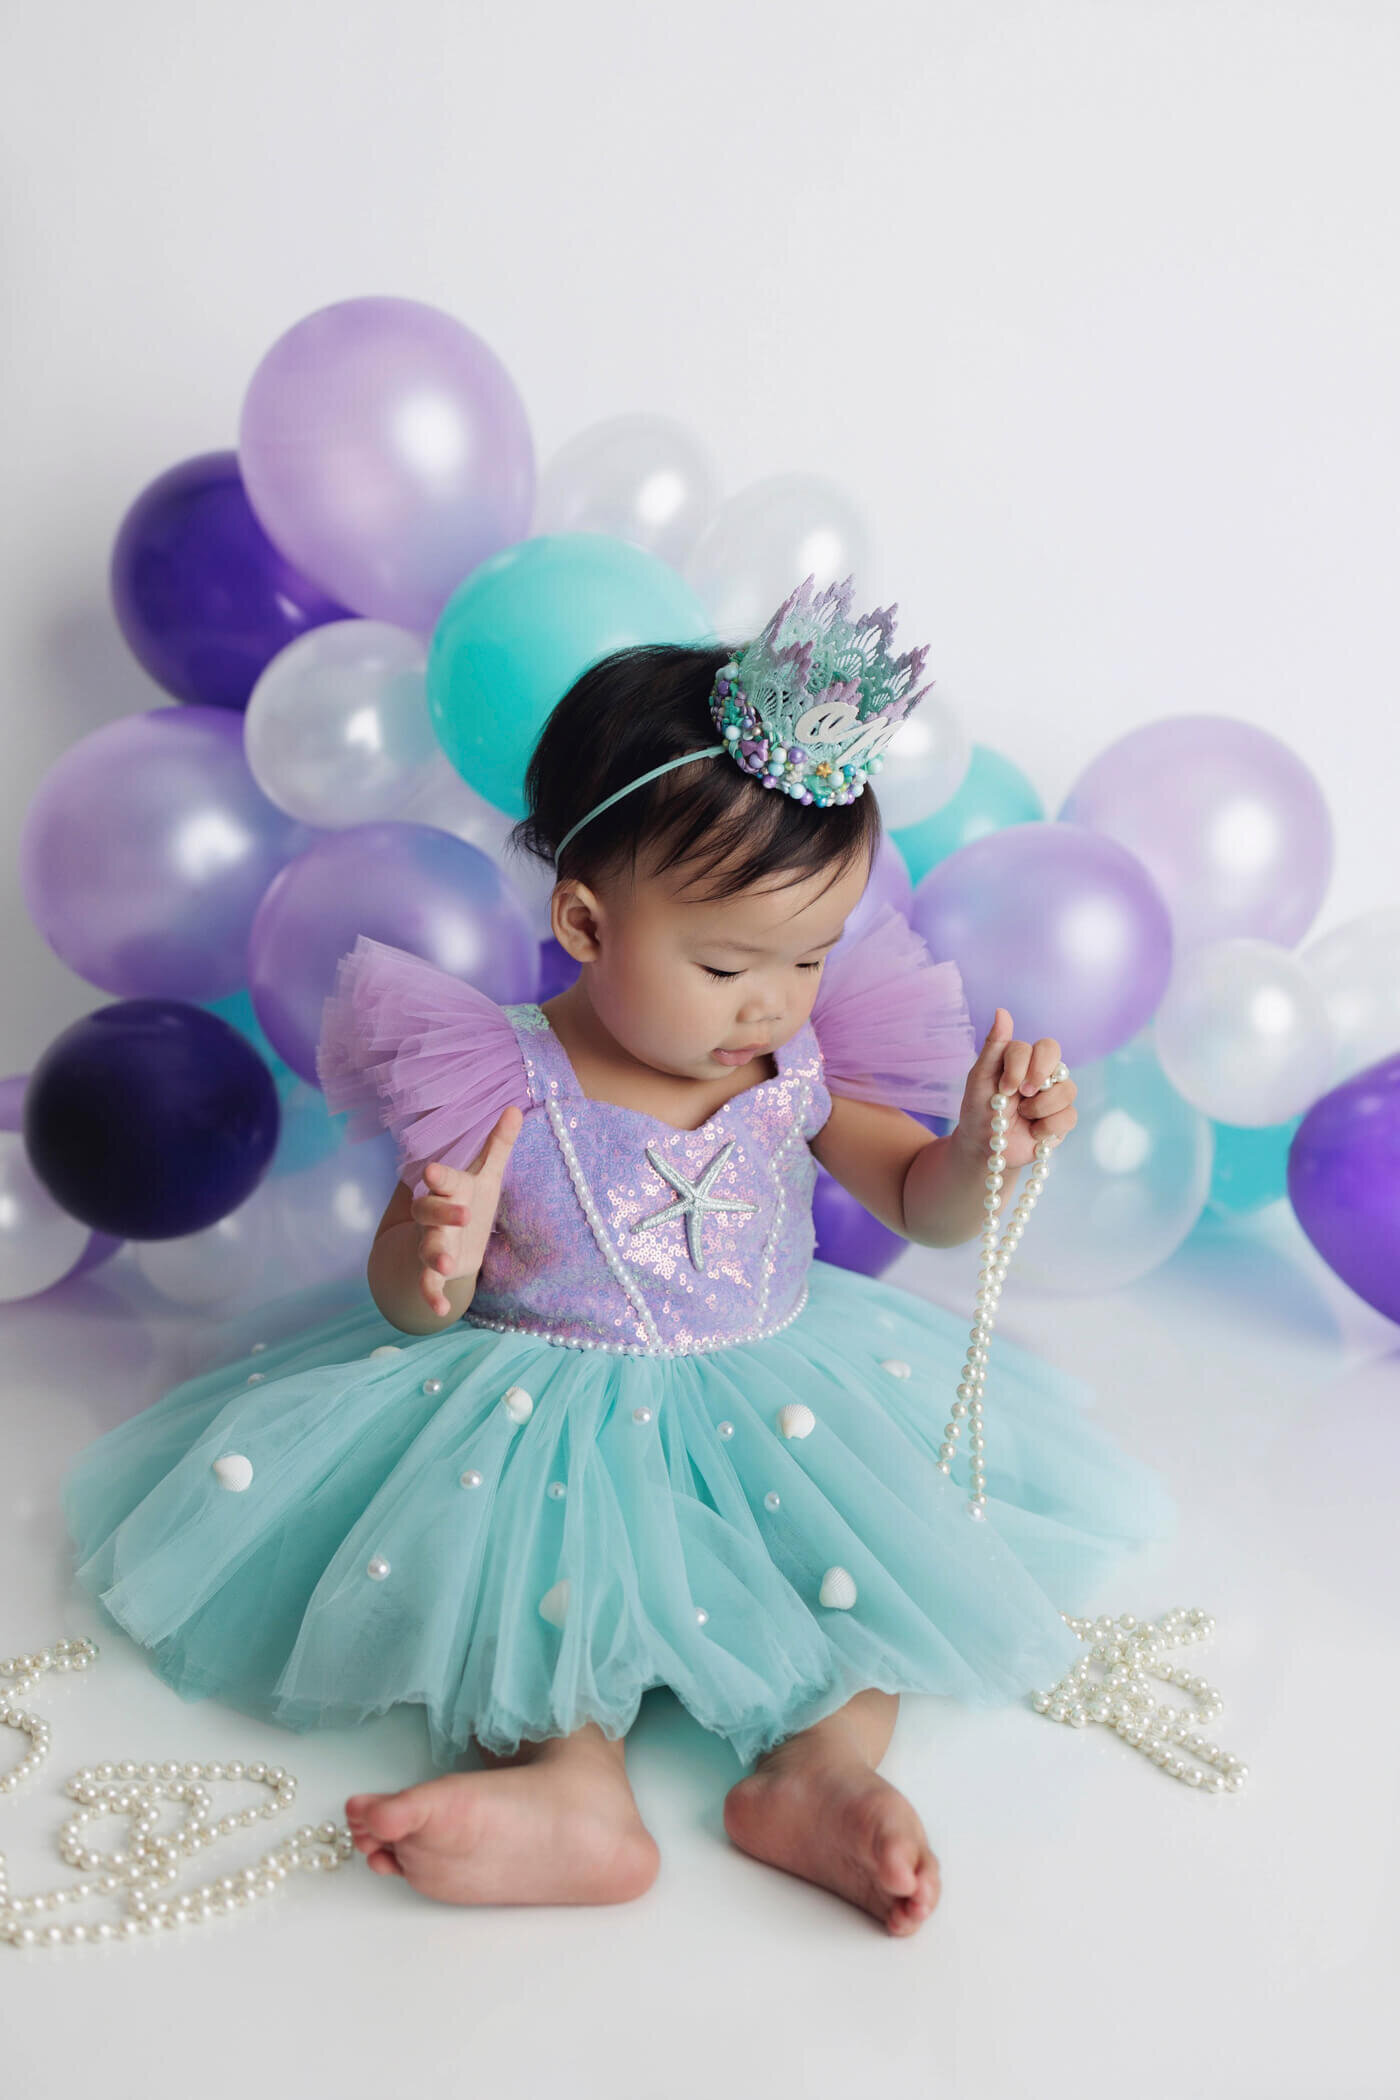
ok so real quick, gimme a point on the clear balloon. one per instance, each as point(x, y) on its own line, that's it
point(1242, 1032)
point(337, 731)
point(327, 1215)
point(404, 884)
point(387, 452)
point(1061, 926)
point(1127, 1185)
point(994, 793)
point(203, 598)
point(524, 627)
point(642, 478)
point(1344, 1182)
point(923, 765)
point(40, 1242)
point(765, 539)
point(146, 850)
point(1228, 820)
point(1356, 968)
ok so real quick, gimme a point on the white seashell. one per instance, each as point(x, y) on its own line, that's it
point(895, 1365)
point(385, 1349)
point(518, 1404)
point(796, 1420)
point(234, 1472)
point(555, 1602)
point(838, 1590)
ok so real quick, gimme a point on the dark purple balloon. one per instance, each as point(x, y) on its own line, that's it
point(101, 1246)
point(150, 1119)
point(847, 1235)
point(558, 970)
point(202, 597)
point(1344, 1182)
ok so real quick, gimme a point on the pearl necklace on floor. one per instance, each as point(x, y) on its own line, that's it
point(151, 1859)
point(1127, 1652)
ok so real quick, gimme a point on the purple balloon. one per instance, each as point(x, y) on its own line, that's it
point(847, 1235)
point(558, 970)
point(386, 450)
point(1227, 820)
point(1063, 927)
point(101, 1246)
point(203, 598)
point(889, 884)
point(1344, 1182)
point(147, 849)
point(408, 885)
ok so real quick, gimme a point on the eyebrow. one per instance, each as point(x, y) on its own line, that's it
point(724, 940)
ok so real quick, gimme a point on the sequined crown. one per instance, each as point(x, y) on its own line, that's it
point(811, 703)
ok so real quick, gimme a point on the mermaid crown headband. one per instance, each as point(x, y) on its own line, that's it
point(809, 705)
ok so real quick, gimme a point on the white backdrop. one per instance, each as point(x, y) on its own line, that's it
point(1094, 308)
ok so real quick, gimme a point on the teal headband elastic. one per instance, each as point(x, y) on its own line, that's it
point(707, 751)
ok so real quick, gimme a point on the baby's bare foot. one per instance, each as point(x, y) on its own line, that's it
point(555, 1830)
point(832, 1819)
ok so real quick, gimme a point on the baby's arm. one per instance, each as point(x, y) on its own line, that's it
point(928, 1188)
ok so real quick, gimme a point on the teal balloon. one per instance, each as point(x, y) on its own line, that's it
point(523, 626)
point(1251, 1166)
point(994, 793)
point(237, 1009)
point(309, 1133)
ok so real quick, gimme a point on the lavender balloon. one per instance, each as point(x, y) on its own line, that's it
point(889, 884)
point(202, 597)
point(1063, 927)
point(386, 450)
point(847, 1235)
point(1344, 1182)
point(405, 884)
point(146, 850)
point(1227, 820)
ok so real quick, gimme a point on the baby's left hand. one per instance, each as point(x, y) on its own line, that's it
point(1006, 1067)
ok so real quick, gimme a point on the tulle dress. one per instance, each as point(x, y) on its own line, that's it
point(586, 1487)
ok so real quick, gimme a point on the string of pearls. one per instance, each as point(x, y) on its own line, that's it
point(151, 1859)
point(1128, 1652)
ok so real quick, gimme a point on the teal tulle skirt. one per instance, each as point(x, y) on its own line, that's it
point(382, 1530)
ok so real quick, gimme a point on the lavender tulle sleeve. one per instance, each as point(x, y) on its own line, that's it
point(892, 1023)
point(407, 1047)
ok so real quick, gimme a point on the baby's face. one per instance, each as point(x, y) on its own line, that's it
point(678, 982)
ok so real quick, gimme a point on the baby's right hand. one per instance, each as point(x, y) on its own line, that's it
point(455, 1218)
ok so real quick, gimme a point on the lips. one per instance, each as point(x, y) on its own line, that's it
point(752, 1049)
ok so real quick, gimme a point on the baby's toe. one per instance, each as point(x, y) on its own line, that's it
point(896, 1863)
point(392, 1817)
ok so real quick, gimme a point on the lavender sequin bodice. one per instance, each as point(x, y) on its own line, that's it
point(617, 1231)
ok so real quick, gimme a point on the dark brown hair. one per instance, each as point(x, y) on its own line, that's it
point(634, 710)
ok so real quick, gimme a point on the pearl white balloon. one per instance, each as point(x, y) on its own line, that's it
point(1242, 1032)
point(1356, 968)
point(337, 729)
point(39, 1240)
point(641, 478)
point(762, 542)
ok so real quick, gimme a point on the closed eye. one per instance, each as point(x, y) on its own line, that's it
point(739, 973)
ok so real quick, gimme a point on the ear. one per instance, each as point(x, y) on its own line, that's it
point(575, 920)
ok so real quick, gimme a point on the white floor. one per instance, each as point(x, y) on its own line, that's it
point(1103, 1929)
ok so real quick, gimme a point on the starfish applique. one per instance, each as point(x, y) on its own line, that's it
point(694, 1202)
